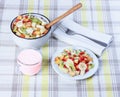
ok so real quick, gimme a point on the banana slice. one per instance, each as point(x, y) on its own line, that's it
point(82, 66)
point(72, 73)
point(82, 72)
point(19, 24)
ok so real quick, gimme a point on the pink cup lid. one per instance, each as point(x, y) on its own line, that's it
point(29, 57)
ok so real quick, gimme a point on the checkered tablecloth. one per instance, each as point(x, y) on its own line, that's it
point(99, 15)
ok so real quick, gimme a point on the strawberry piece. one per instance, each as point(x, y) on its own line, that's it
point(34, 33)
point(28, 24)
point(64, 60)
point(81, 53)
point(74, 55)
point(87, 69)
point(71, 58)
point(65, 66)
point(26, 16)
point(17, 20)
point(22, 35)
point(69, 53)
point(77, 68)
point(81, 58)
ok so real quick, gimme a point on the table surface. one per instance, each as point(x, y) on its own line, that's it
point(99, 15)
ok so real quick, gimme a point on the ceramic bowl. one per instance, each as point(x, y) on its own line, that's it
point(34, 43)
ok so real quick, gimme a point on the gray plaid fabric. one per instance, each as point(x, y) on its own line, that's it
point(99, 15)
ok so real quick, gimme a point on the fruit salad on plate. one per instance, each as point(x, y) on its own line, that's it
point(74, 61)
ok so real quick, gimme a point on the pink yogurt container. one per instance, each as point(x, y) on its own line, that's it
point(30, 61)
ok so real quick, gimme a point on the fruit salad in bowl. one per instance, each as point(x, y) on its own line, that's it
point(29, 26)
point(28, 30)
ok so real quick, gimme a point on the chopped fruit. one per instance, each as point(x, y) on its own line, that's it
point(81, 53)
point(82, 66)
point(19, 17)
point(57, 60)
point(34, 33)
point(72, 73)
point(22, 35)
point(74, 62)
point(19, 24)
point(29, 25)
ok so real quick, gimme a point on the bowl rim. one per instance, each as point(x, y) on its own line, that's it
point(30, 38)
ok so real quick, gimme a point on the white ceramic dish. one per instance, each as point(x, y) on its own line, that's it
point(79, 77)
point(33, 43)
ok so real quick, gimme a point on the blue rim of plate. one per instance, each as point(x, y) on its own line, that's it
point(78, 77)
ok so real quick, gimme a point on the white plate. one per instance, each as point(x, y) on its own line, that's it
point(78, 77)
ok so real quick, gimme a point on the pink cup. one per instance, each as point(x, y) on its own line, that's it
point(30, 62)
